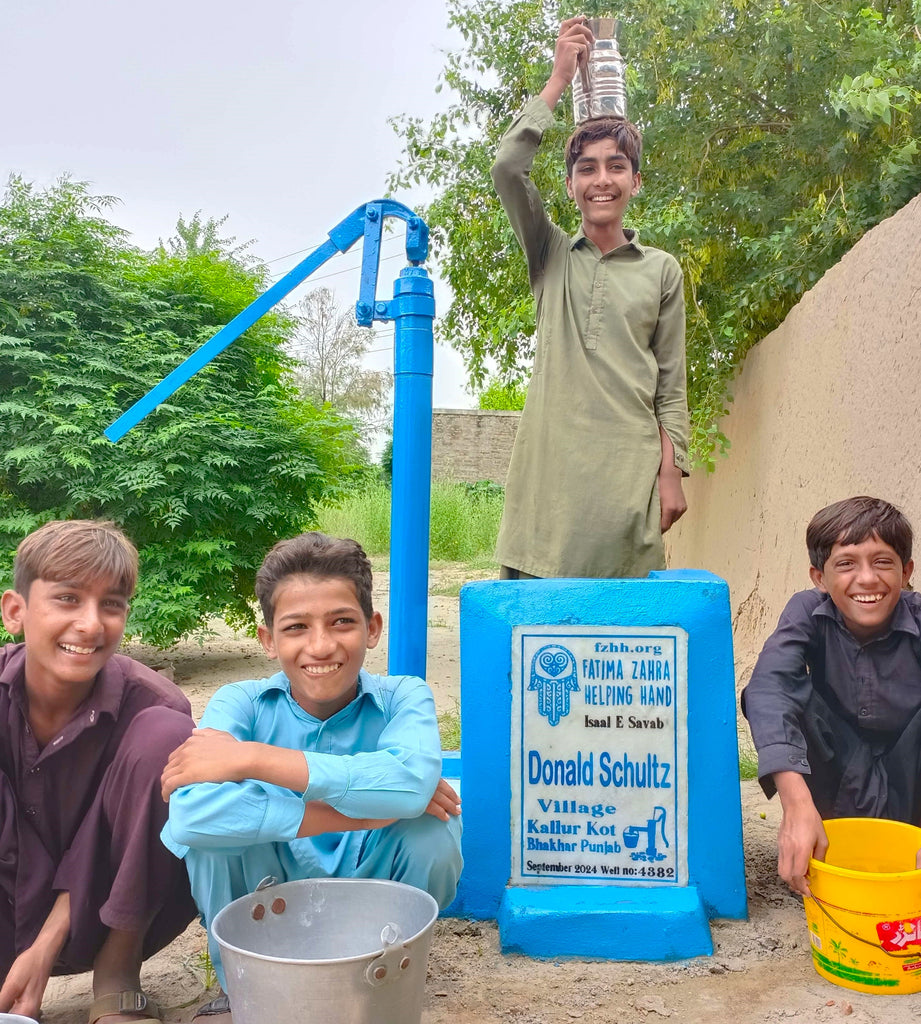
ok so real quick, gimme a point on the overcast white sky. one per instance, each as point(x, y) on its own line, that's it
point(273, 112)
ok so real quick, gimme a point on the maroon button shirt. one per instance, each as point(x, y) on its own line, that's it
point(45, 792)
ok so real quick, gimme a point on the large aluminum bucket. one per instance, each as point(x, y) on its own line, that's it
point(327, 951)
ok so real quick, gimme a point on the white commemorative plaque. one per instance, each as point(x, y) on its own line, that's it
point(599, 755)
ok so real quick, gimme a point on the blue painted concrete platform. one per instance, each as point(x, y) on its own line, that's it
point(597, 923)
point(604, 921)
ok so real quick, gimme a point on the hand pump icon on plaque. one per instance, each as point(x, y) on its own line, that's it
point(654, 825)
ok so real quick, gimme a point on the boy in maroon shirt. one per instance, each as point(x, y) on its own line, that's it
point(84, 735)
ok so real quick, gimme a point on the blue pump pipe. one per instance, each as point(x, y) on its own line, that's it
point(412, 311)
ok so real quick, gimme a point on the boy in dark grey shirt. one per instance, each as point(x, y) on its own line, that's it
point(834, 700)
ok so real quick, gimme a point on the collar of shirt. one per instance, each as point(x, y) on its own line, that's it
point(105, 697)
point(903, 621)
point(12, 674)
point(633, 241)
point(366, 690)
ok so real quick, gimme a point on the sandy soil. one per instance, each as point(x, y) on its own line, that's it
point(761, 970)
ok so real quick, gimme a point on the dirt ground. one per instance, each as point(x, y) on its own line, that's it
point(761, 970)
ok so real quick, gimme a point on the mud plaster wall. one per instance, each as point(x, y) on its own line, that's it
point(472, 444)
point(826, 406)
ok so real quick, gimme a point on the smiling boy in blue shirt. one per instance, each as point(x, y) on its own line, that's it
point(322, 751)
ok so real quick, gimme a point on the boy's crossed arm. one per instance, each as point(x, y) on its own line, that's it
point(211, 755)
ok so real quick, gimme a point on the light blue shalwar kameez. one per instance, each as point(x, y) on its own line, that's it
point(379, 757)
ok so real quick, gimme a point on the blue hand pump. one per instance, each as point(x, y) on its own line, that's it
point(412, 310)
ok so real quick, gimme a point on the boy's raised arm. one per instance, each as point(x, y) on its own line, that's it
point(573, 45)
point(511, 171)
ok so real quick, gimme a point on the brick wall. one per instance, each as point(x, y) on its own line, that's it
point(472, 444)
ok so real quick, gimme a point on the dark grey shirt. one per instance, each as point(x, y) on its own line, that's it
point(876, 686)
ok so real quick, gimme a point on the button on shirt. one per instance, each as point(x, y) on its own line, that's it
point(609, 368)
point(379, 757)
point(876, 685)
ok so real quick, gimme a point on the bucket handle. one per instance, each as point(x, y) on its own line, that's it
point(392, 962)
point(887, 952)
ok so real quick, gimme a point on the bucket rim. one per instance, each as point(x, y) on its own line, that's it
point(855, 875)
point(360, 957)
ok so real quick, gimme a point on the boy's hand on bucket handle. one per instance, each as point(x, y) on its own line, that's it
point(445, 802)
point(802, 834)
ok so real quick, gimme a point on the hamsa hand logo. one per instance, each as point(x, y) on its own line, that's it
point(553, 676)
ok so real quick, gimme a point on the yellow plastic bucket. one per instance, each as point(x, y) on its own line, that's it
point(865, 915)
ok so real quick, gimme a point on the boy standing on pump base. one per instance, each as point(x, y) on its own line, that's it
point(834, 701)
point(596, 469)
point(322, 770)
point(84, 735)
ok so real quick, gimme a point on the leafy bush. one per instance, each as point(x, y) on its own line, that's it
point(387, 462)
point(501, 394)
point(212, 478)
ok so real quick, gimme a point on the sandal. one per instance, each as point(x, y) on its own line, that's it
point(125, 1002)
point(219, 1005)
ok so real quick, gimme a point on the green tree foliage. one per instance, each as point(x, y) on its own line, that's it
point(776, 133)
point(386, 462)
point(501, 394)
point(199, 237)
point(211, 479)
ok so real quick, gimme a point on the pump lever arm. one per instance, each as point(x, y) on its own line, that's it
point(365, 221)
